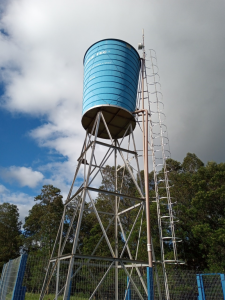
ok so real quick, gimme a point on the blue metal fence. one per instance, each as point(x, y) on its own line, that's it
point(22, 279)
point(219, 291)
point(19, 290)
point(12, 279)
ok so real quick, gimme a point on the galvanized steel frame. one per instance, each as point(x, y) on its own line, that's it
point(90, 169)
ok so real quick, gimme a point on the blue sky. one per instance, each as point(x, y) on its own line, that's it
point(42, 44)
point(19, 149)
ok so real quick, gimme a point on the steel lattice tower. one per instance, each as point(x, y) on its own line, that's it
point(110, 114)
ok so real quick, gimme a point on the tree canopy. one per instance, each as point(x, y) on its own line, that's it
point(10, 233)
point(41, 225)
point(197, 189)
point(200, 194)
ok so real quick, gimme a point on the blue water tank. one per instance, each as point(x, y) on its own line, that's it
point(111, 73)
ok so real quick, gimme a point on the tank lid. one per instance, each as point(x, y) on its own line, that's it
point(110, 40)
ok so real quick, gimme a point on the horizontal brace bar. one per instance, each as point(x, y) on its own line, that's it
point(99, 258)
point(174, 261)
point(170, 238)
point(163, 217)
point(115, 147)
point(168, 222)
point(100, 212)
point(163, 197)
point(135, 266)
point(115, 194)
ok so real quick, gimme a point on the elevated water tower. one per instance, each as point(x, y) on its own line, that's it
point(111, 77)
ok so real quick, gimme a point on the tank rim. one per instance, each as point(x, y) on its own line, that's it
point(130, 117)
point(117, 106)
point(113, 40)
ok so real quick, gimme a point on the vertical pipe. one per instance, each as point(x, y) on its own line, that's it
point(116, 226)
point(145, 154)
point(149, 247)
point(143, 105)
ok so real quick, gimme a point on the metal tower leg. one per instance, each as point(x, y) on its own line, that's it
point(86, 180)
point(116, 225)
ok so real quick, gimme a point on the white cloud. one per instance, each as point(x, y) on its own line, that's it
point(42, 61)
point(3, 189)
point(24, 176)
point(63, 132)
point(39, 66)
point(23, 201)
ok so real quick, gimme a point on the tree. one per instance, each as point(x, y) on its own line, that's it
point(191, 163)
point(198, 190)
point(42, 224)
point(10, 231)
point(182, 191)
point(200, 194)
point(208, 211)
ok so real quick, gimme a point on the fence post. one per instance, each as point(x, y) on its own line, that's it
point(19, 291)
point(222, 278)
point(150, 283)
point(128, 291)
point(69, 292)
point(201, 292)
